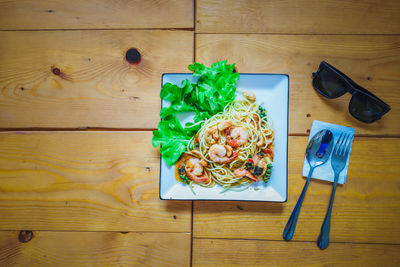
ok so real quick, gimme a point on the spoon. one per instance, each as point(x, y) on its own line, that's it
point(317, 153)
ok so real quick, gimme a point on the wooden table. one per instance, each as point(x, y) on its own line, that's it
point(78, 174)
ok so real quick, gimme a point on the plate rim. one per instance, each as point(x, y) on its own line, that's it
point(287, 146)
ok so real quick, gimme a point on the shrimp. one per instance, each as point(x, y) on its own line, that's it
point(212, 134)
point(237, 137)
point(218, 154)
point(223, 125)
point(241, 172)
point(249, 95)
point(195, 170)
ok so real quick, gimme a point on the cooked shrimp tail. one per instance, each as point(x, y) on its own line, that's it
point(241, 172)
point(198, 179)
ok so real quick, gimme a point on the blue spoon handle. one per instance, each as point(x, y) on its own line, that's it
point(291, 224)
point(323, 238)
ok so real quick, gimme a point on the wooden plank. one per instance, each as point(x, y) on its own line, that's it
point(95, 14)
point(86, 181)
point(372, 61)
point(96, 87)
point(301, 16)
point(228, 252)
point(95, 249)
point(366, 208)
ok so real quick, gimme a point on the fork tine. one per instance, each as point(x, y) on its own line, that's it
point(340, 145)
point(348, 145)
point(344, 145)
point(337, 145)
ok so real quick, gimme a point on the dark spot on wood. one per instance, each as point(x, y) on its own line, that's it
point(88, 59)
point(148, 169)
point(308, 131)
point(175, 217)
point(123, 233)
point(239, 207)
point(198, 21)
point(56, 71)
point(25, 236)
point(50, 11)
point(66, 202)
point(134, 98)
point(22, 88)
point(308, 64)
point(308, 115)
point(369, 78)
point(122, 90)
point(78, 17)
point(133, 56)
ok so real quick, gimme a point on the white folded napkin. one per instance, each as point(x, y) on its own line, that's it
point(325, 171)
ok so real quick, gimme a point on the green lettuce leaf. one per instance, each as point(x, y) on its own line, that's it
point(172, 138)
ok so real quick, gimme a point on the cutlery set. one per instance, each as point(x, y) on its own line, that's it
point(319, 149)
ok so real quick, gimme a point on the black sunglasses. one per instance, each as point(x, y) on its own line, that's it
point(332, 83)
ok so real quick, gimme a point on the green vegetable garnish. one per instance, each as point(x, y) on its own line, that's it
point(182, 174)
point(214, 89)
point(268, 173)
point(262, 112)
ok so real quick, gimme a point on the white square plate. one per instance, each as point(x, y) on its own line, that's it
point(273, 91)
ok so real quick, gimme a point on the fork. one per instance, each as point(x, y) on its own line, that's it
point(338, 161)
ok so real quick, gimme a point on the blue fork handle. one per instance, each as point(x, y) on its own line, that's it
point(323, 238)
point(291, 224)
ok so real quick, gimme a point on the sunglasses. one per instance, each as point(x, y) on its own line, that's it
point(332, 83)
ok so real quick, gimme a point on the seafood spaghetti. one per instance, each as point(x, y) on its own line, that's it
point(233, 149)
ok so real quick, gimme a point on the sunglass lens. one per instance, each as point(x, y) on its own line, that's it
point(329, 83)
point(365, 108)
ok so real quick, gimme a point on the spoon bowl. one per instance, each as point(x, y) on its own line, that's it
point(319, 148)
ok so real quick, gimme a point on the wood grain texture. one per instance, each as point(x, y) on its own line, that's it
point(372, 61)
point(86, 181)
point(96, 87)
point(300, 16)
point(228, 252)
point(366, 208)
point(95, 249)
point(95, 14)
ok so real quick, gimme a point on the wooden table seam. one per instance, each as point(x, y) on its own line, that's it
point(293, 241)
point(98, 29)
